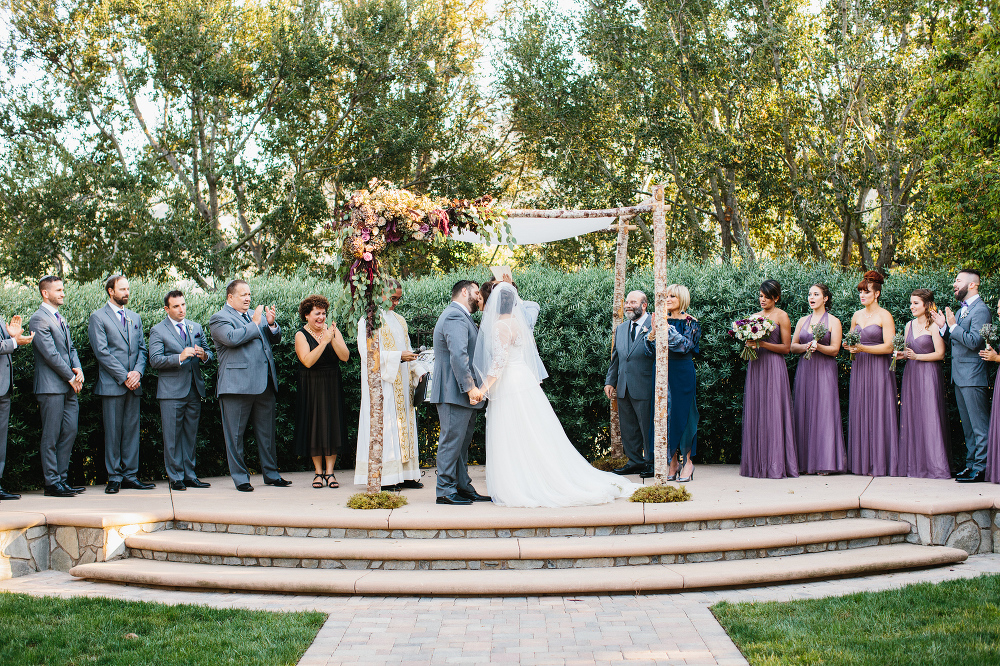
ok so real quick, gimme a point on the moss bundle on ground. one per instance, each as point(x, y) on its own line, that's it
point(660, 494)
point(380, 500)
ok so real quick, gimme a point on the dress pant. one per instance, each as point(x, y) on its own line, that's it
point(238, 410)
point(179, 419)
point(4, 422)
point(635, 419)
point(121, 436)
point(973, 407)
point(60, 413)
point(457, 425)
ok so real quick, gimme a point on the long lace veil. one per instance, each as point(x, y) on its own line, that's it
point(504, 301)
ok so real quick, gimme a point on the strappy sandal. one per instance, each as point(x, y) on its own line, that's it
point(319, 480)
point(332, 481)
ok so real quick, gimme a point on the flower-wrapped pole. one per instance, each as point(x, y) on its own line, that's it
point(617, 317)
point(382, 216)
point(661, 404)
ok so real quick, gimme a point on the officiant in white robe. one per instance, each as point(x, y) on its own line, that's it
point(400, 452)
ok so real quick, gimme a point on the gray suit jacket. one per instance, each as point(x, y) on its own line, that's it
point(244, 350)
point(118, 351)
point(454, 346)
point(631, 368)
point(55, 355)
point(165, 347)
point(967, 369)
point(7, 347)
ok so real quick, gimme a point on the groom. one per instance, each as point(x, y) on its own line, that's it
point(454, 391)
point(968, 371)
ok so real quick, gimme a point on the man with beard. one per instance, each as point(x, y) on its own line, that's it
point(630, 382)
point(454, 391)
point(118, 342)
point(968, 370)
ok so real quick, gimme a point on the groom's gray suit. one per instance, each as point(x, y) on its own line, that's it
point(246, 385)
point(968, 373)
point(454, 347)
point(631, 373)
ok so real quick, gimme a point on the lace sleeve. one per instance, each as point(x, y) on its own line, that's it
point(502, 338)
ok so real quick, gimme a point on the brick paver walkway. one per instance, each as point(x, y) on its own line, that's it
point(647, 629)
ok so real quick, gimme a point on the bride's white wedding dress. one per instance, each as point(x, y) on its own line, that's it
point(529, 460)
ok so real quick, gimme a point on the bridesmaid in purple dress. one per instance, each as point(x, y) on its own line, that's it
point(923, 426)
point(993, 441)
point(768, 430)
point(816, 402)
point(872, 421)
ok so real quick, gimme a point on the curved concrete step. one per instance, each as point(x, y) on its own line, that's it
point(657, 577)
point(579, 551)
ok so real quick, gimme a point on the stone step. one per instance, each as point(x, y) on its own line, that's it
point(646, 578)
point(520, 553)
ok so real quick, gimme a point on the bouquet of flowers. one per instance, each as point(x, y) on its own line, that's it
point(990, 333)
point(751, 328)
point(851, 339)
point(898, 345)
point(818, 331)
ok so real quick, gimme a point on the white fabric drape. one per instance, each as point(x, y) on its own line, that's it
point(535, 230)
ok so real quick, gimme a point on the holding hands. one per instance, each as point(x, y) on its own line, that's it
point(475, 396)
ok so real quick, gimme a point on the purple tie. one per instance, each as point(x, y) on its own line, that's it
point(60, 319)
point(122, 313)
point(184, 337)
point(964, 304)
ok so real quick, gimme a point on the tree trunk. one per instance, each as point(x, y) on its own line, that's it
point(617, 317)
point(375, 400)
point(661, 415)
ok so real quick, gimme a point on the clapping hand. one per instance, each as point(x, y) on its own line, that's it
point(16, 330)
point(950, 316)
point(257, 312)
point(939, 318)
point(271, 314)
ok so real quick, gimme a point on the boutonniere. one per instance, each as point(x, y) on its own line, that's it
point(964, 314)
point(190, 331)
point(129, 320)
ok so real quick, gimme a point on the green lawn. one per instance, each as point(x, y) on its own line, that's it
point(52, 631)
point(957, 622)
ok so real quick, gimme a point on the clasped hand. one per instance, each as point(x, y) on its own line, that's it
point(193, 351)
point(989, 354)
point(475, 396)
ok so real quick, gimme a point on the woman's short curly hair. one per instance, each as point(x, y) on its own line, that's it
point(310, 303)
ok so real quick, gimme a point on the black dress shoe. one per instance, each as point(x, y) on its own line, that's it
point(410, 483)
point(633, 468)
point(647, 473)
point(974, 478)
point(196, 483)
point(964, 472)
point(136, 484)
point(4, 495)
point(454, 498)
point(78, 489)
point(279, 482)
point(473, 496)
point(245, 488)
point(112, 487)
point(57, 490)
point(178, 485)
point(393, 488)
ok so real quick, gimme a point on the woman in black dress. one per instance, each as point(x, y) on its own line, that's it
point(319, 406)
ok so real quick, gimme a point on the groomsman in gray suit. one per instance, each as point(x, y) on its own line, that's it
point(630, 382)
point(247, 383)
point(177, 348)
point(58, 379)
point(118, 342)
point(10, 339)
point(968, 370)
point(454, 391)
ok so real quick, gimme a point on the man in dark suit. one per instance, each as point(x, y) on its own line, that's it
point(454, 391)
point(247, 383)
point(968, 370)
point(177, 348)
point(58, 379)
point(118, 342)
point(630, 382)
point(11, 338)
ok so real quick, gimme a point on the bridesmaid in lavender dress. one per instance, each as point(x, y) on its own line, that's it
point(819, 431)
point(768, 430)
point(993, 441)
point(923, 427)
point(872, 421)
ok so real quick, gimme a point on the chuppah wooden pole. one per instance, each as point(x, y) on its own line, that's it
point(375, 425)
point(617, 317)
point(661, 416)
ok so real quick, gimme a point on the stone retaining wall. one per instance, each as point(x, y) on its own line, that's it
point(23, 551)
point(972, 531)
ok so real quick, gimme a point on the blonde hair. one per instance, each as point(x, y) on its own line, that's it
point(683, 296)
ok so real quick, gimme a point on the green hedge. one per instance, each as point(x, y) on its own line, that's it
point(572, 334)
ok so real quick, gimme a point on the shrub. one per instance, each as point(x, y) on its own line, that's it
point(660, 494)
point(380, 500)
point(573, 336)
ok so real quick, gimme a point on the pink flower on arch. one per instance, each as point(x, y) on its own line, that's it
point(367, 256)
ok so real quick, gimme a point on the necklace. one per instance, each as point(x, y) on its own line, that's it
point(317, 335)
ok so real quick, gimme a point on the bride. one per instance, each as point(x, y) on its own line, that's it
point(529, 460)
